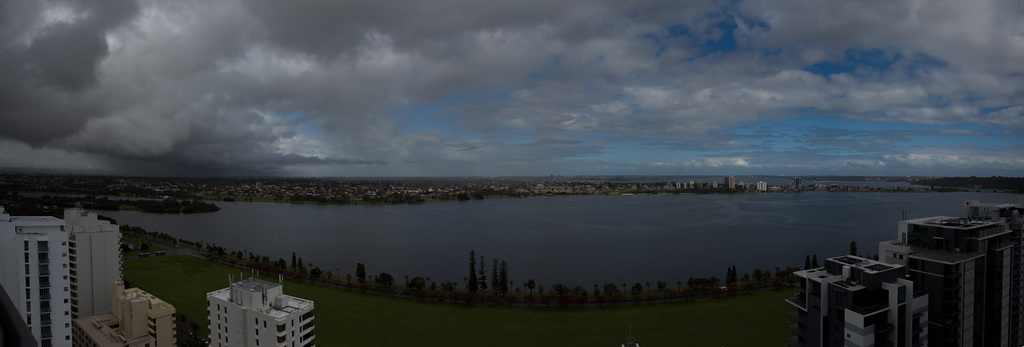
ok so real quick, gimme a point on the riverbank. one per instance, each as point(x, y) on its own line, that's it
point(345, 317)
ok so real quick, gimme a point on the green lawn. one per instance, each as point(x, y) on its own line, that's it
point(351, 318)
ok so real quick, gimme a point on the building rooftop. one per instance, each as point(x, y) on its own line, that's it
point(281, 305)
point(953, 222)
point(868, 265)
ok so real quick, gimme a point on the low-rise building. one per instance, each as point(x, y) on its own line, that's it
point(137, 319)
point(853, 301)
point(254, 312)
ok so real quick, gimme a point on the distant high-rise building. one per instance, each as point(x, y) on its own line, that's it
point(796, 183)
point(137, 319)
point(34, 272)
point(971, 266)
point(762, 186)
point(95, 261)
point(254, 312)
point(853, 301)
point(730, 182)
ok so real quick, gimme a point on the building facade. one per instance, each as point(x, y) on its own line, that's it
point(972, 268)
point(34, 272)
point(853, 301)
point(137, 318)
point(254, 312)
point(94, 259)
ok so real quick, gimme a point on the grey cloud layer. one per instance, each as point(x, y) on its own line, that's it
point(234, 87)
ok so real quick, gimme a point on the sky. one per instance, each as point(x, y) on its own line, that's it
point(508, 88)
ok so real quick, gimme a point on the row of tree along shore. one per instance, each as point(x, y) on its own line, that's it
point(413, 190)
point(487, 285)
point(54, 205)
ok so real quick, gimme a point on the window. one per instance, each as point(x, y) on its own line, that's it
point(26, 242)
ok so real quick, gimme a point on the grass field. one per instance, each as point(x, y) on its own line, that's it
point(346, 318)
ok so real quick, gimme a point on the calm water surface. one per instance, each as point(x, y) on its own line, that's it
point(582, 240)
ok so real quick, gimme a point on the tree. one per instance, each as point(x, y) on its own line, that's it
point(661, 287)
point(385, 279)
point(494, 274)
point(417, 283)
point(758, 274)
point(807, 262)
point(530, 284)
point(293, 260)
point(361, 272)
point(638, 289)
point(503, 278)
point(471, 282)
point(853, 247)
point(814, 261)
point(482, 274)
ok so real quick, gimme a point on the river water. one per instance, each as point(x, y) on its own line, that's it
point(573, 240)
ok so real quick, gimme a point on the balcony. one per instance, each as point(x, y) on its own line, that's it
point(798, 328)
point(797, 316)
point(883, 328)
point(864, 311)
point(798, 301)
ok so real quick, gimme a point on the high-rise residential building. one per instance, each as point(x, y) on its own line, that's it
point(730, 182)
point(254, 312)
point(853, 301)
point(94, 259)
point(796, 183)
point(34, 272)
point(137, 318)
point(971, 266)
point(762, 186)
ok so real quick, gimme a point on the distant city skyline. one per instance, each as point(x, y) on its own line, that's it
point(471, 88)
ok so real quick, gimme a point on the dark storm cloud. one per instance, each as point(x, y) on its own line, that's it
point(48, 63)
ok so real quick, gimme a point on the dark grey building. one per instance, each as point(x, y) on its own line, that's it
point(971, 267)
point(853, 301)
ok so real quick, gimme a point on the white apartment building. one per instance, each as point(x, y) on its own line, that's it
point(762, 186)
point(253, 312)
point(34, 272)
point(95, 261)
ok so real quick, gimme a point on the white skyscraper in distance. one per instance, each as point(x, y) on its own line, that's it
point(34, 272)
point(253, 312)
point(95, 261)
